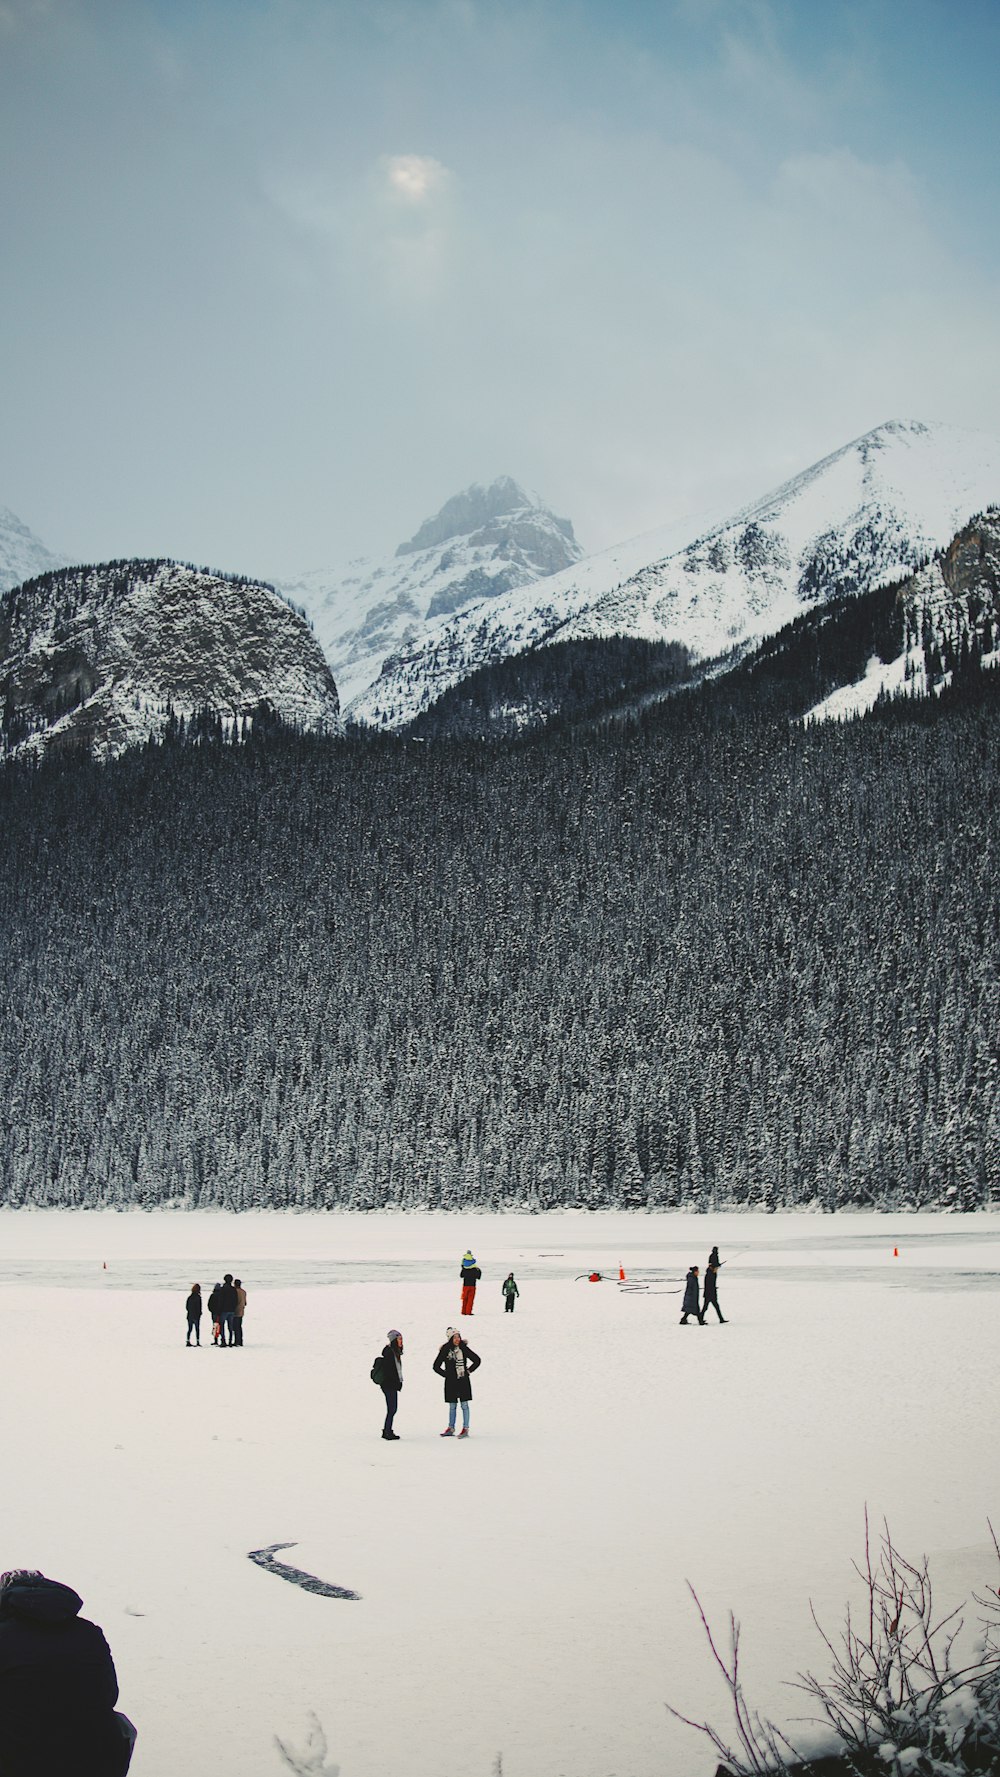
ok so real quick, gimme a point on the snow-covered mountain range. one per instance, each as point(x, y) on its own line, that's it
point(482, 544)
point(102, 656)
point(867, 515)
point(22, 556)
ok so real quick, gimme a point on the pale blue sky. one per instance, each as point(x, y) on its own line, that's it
point(279, 276)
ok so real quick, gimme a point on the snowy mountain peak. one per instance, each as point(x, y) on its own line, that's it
point(483, 544)
point(475, 509)
point(21, 553)
point(866, 515)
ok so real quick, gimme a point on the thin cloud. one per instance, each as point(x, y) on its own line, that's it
point(414, 179)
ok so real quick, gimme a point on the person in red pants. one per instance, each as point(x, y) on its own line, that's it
point(470, 1275)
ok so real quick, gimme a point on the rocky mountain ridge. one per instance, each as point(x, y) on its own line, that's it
point(104, 656)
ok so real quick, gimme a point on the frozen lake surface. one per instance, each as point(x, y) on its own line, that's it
point(523, 1592)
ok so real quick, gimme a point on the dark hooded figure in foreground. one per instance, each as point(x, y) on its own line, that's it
point(58, 1686)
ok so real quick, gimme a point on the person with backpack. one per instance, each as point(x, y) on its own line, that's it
point(58, 1685)
point(712, 1293)
point(691, 1304)
point(193, 1310)
point(470, 1275)
point(455, 1362)
point(510, 1292)
point(387, 1371)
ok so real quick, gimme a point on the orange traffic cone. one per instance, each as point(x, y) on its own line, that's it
point(621, 1272)
point(895, 1252)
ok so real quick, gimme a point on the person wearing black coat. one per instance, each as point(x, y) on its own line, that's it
point(392, 1381)
point(712, 1294)
point(228, 1302)
point(193, 1309)
point(691, 1303)
point(455, 1362)
point(714, 1259)
point(58, 1686)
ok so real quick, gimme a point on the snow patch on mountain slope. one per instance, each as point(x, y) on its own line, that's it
point(483, 542)
point(866, 515)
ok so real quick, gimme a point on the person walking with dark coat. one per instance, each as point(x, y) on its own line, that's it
point(470, 1275)
point(714, 1259)
point(193, 1309)
point(455, 1362)
point(510, 1293)
point(58, 1685)
point(691, 1304)
point(213, 1309)
point(712, 1294)
point(226, 1315)
point(392, 1380)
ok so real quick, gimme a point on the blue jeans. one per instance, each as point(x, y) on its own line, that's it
point(453, 1407)
point(391, 1403)
point(227, 1322)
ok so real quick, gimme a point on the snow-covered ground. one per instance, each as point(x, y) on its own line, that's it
point(523, 1592)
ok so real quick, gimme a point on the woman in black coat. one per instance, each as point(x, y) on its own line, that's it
point(691, 1303)
point(193, 1308)
point(392, 1381)
point(455, 1362)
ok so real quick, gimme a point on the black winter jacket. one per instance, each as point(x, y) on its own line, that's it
point(711, 1287)
point(392, 1381)
point(470, 1275)
point(193, 1306)
point(58, 1687)
point(444, 1365)
point(691, 1302)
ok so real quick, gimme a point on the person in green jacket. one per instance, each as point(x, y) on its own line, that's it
point(510, 1291)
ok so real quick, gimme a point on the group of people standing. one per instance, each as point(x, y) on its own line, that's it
point(691, 1304)
point(227, 1305)
point(455, 1362)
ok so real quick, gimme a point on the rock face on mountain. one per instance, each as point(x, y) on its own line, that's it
point(21, 554)
point(865, 516)
point(482, 544)
point(951, 624)
point(101, 656)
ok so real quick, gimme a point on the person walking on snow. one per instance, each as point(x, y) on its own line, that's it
point(690, 1304)
point(213, 1309)
point(510, 1292)
point(193, 1309)
point(714, 1259)
point(392, 1380)
point(455, 1362)
point(712, 1293)
point(470, 1275)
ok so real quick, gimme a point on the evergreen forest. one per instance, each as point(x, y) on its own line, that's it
point(702, 956)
